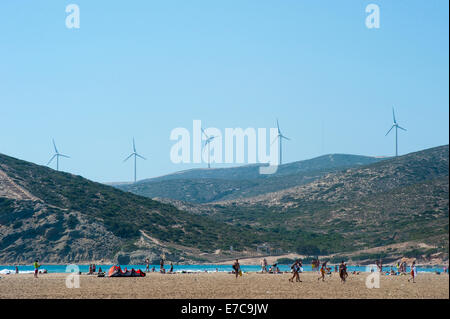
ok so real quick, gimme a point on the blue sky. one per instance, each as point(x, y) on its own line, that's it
point(143, 68)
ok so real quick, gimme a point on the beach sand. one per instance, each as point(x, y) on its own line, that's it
point(222, 285)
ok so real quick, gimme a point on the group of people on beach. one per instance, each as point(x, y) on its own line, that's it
point(296, 269)
point(274, 269)
point(323, 269)
point(161, 266)
point(401, 270)
point(93, 268)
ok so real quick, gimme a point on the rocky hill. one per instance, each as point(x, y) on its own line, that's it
point(397, 200)
point(390, 208)
point(60, 217)
point(218, 184)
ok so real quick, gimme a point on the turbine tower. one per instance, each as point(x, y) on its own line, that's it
point(396, 131)
point(207, 143)
point(280, 137)
point(135, 154)
point(57, 155)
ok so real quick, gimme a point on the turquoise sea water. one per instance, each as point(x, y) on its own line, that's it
point(199, 268)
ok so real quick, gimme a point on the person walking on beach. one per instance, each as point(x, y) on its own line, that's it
point(300, 270)
point(263, 265)
point(236, 268)
point(147, 263)
point(17, 270)
point(36, 268)
point(171, 267)
point(161, 266)
point(294, 268)
point(413, 272)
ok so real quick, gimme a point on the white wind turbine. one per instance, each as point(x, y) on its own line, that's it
point(57, 155)
point(396, 131)
point(280, 138)
point(207, 143)
point(135, 154)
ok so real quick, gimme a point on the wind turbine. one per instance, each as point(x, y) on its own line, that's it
point(207, 142)
point(280, 137)
point(396, 131)
point(57, 155)
point(135, 154)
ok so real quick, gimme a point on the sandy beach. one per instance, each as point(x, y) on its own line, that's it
point(223, 285)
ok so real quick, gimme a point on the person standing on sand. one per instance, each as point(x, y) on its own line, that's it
point(413, 272)
point(147, 263)
point(380, 265)
point(322, 271)
point(236, 268)
point(171, 267)
point(36, 268)
point(161, 265)
point(17, 270)
point(343, 271)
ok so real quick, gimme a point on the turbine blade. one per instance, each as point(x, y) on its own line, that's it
point(141, 156)
point(51, 159)
point(286, 138)
point(393, 115)
point(390, 130)
point(66, 156)
point(128, 157)
point(134, 146)
point(278, 126)
point(204, 133)
point(404, 129)
point(209, 140)
point(54, 145)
